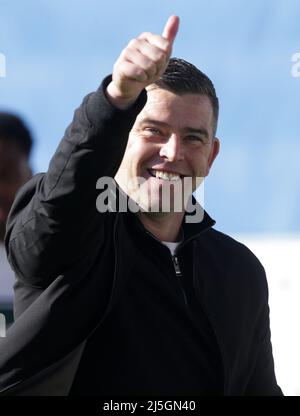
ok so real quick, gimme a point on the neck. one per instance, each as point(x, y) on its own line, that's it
point(164, 227)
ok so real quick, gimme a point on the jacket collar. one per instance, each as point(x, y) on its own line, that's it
point(197, 222)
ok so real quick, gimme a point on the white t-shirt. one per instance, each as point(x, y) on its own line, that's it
point(171, 246)
point(7, 277)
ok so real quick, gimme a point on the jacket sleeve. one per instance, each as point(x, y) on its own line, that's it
point(54, 217)
point(263, 380)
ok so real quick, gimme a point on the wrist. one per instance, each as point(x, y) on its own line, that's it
point(117, 99)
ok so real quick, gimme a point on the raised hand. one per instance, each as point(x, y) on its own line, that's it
point(141, 63)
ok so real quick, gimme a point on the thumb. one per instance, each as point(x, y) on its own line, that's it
point(171, 28)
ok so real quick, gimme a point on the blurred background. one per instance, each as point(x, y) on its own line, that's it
point(57, 51)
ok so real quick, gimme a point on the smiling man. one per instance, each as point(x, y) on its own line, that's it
point(143, 302)
point(172, 140)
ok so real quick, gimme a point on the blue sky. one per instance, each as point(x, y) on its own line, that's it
point(58, 51)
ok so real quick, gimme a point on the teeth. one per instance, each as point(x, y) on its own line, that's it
point(166, 175)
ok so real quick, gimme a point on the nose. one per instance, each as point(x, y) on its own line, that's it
point(172, 149)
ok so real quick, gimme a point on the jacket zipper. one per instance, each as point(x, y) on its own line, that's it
point(178, 275)
point(175, 262)
point(176, 266)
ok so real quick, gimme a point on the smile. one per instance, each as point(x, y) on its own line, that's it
point(166, 176)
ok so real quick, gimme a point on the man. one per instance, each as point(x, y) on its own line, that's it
point(138, 301)
point(15, 147)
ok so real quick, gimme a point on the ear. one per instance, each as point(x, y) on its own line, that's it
point(214, 153)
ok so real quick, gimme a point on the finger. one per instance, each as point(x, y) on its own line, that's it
point(133, 72)
point(142, 61)
point(171, 28)
point(155, 40)
point(150, 50)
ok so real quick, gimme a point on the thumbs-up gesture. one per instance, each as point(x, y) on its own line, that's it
point(141, 63)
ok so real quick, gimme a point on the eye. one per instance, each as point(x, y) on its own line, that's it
point(153, 130)
point(195, 138)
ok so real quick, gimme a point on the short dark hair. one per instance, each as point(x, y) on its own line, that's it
point(12, 127)
point(182, 77)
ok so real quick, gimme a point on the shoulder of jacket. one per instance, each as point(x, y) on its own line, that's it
point(236, 263)
point(227, 247)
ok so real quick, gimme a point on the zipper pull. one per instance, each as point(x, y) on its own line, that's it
point(176, 266)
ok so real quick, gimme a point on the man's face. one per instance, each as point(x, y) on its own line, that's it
point(14, 171)
point(172, 139)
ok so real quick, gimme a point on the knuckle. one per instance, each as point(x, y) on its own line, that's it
point(133, 43)
point(123, 53)
point(145, 34)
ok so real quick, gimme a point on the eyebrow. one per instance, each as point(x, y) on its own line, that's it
point(200, 130)
point(155, 122)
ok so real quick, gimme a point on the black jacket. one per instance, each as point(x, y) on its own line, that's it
point(66, 255)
